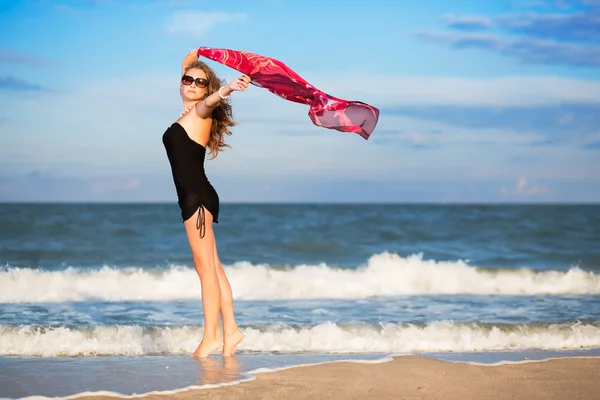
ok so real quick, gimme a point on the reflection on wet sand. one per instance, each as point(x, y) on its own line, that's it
point(214, 371)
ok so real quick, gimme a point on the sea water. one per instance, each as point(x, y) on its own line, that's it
point(86, 285)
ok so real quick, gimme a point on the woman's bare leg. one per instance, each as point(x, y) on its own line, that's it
point(203, 254)
point(232, 334)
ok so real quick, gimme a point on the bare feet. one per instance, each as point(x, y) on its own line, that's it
point(207, 347)
point(231, 342)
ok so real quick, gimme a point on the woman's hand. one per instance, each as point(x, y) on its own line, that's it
point(191, 56)
point(240, 84)
point(205, 108)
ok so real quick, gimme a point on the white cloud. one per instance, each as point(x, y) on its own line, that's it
point(522, 189)
point(495, 92)
point(420, 137)
point(115, 127)
point(199, 23)
point(472, 21)
point(521, 184)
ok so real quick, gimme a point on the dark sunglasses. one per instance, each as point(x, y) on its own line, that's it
point(200, 82)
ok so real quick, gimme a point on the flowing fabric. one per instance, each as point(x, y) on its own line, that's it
point(325, 110)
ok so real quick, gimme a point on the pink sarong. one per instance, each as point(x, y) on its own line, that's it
point(325, 110)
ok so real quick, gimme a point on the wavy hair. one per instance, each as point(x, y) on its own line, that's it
point(222, 115)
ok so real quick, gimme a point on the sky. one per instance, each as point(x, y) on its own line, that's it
point(481, 101)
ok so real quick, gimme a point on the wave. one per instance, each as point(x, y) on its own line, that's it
point(444, 336)
point(385, 274)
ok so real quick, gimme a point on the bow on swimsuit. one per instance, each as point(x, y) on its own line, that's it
point(194, 191)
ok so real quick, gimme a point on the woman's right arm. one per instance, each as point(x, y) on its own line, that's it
point(204, 108)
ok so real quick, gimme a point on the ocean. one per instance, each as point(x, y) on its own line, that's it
point(111, 287)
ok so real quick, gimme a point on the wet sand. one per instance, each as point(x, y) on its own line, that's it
point(413, 377)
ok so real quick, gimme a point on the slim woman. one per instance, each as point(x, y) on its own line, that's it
point(202, 126)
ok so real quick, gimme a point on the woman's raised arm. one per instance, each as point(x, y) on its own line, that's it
point(190, 57)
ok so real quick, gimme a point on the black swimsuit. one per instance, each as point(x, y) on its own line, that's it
point(194, 191)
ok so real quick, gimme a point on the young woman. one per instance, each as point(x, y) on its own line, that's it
point(202, 126)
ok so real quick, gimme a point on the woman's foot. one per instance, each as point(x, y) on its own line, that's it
point(207, 347)
point(231, 341)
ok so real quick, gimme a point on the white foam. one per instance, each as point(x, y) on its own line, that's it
point(329, 338)
point(385, 274)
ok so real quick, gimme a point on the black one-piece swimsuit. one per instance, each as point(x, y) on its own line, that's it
point(194, 191)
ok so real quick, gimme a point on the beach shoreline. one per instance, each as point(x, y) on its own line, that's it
point(403, 377)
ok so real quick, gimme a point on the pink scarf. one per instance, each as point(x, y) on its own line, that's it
point(325, 110)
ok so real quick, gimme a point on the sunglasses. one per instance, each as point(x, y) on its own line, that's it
point(200, 82)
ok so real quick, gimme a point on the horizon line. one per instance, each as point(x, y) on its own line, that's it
point(324, 202)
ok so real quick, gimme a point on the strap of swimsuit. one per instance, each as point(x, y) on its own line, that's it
point(201, 222)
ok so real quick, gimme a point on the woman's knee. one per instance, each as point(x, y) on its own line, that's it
point(204, 263)
point(217, 263)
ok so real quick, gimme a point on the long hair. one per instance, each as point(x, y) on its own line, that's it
point(222, 115)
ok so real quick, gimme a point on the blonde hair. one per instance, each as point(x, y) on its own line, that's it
point(222, 115)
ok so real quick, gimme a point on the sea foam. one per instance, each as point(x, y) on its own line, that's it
point(331, 338)
point(384, 274)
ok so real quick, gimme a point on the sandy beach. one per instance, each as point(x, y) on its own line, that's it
point(413, 377)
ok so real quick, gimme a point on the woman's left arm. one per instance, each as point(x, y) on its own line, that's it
point(190, 57)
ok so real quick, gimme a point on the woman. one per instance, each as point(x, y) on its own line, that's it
point(202, 125)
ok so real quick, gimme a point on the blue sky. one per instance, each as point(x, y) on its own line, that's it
point(481, 101)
